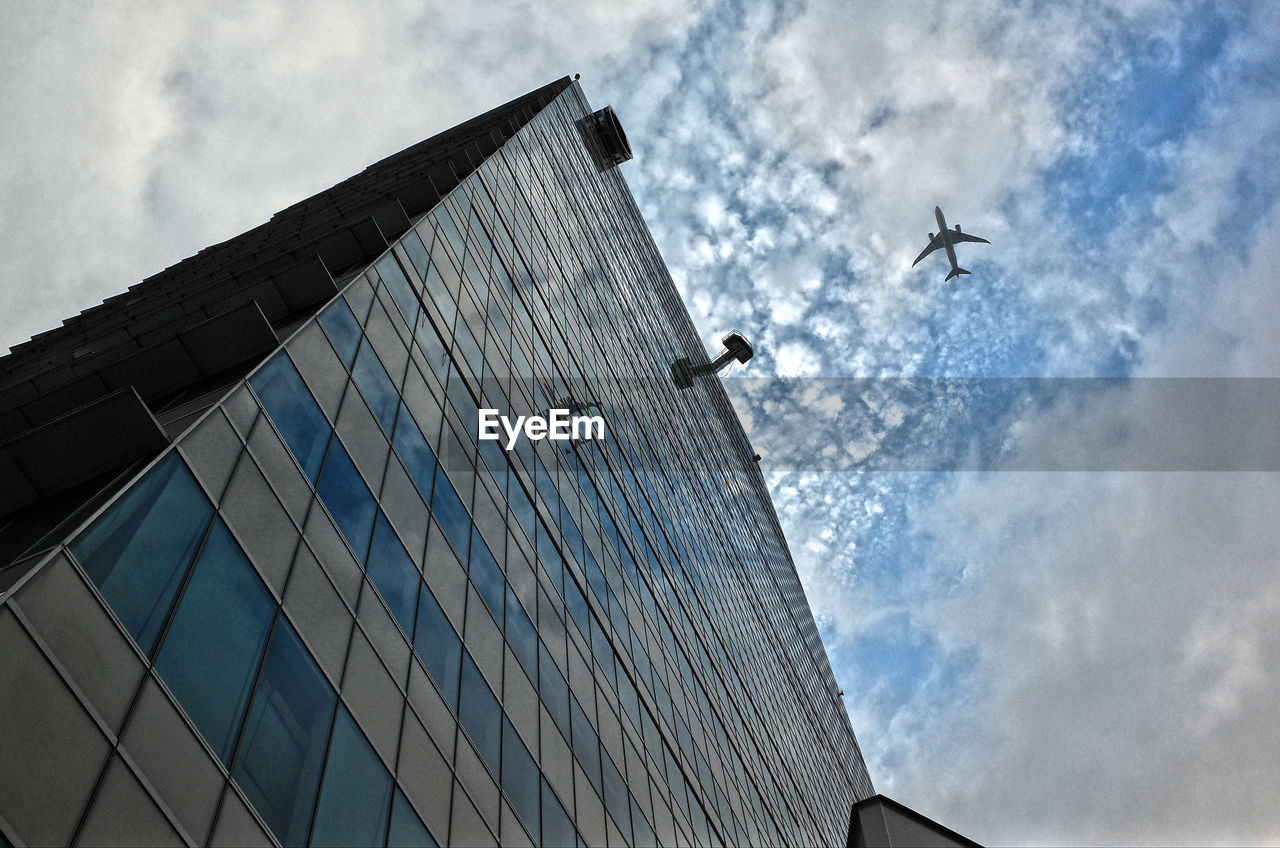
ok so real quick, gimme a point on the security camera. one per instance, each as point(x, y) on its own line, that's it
point(736, 347)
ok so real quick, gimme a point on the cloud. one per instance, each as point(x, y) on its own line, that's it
point(136, 135)
point(1116, 628)
point(1086, 653)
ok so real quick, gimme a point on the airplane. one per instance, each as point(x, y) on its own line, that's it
point(946, 239)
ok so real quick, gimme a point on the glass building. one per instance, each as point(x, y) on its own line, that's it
point(260, 582)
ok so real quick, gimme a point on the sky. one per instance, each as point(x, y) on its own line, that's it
point(1042, 558)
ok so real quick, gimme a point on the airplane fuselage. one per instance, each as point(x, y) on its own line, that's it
point(946, 239)
point(947, 244)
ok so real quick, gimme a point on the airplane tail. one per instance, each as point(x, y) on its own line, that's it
point(955, 272)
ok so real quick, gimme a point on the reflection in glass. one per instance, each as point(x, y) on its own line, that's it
point(451, 514)
point(344, 331)
point(418, 458)
point(356, 795)
point(480, 714)
point(343, 492)
point(520, 777)
point(283, 744)
point(437, 643)
point(417, 252)
point(210, 654)
point(138, 551)
point(486, 574)
point(394, 573)
point(407, 830)
point(521, 635)
point(376, 387)
point(295, 412)
point(557, 829)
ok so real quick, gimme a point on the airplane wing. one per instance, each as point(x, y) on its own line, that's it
point(961, 236)
point(934, 244)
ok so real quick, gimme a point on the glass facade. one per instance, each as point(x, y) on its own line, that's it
point(363, 625)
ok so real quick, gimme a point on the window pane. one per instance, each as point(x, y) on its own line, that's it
point(419, 460)
point(398, 284)
point(376, 387)
point(407, 830)
point(486, 574)
point(439, 646)
point(357, 790)
point(521, 635)
point(295, 412)
point(451, 514)
point(449, 228)
point(433, 349)
point(520, 777)
point(553, 689)
point(394, 573)
point(417, 252)
point(343, 329)
point(283, 745)
point(522, 509)
point(139, 550)
point(557, 830)
point(480, 714)
point(210, 655)
point(616, 798)
point(348, 499)
point(586, 747)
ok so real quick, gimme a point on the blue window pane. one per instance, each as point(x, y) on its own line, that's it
point(577, 605)
point(447, 507)
point(520, 777)
point(417, 252)
point(398, 285)
point(356, 796)
point(283, 744)
point(486, 574)
point(522, 509)
point(426, 334)
point(549, 556)
point(418, 458)
point(522, 636)
point(546, 485)
point(572, 537)
point(459, 396)
point(438, 645)
point(469, 348)
point(138, 551)
point(557, 830)
point(491, 451)
point(595, 576)
point(344, 330)
point(480, 714)
point(343, 492)
point(295, 412)
point(629, 699)
point(586, 746)
point(449, 228)
point(628, 563)
point(407, 830)
point(376, 387)
point(553, 689)
point(616, 798)
point(210, 656)
point(644, 835)
point(393, 572)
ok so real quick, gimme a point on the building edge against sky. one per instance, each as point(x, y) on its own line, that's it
point(260, 578)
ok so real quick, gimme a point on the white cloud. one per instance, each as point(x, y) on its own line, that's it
point(1121, 625)
point(136, 134)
